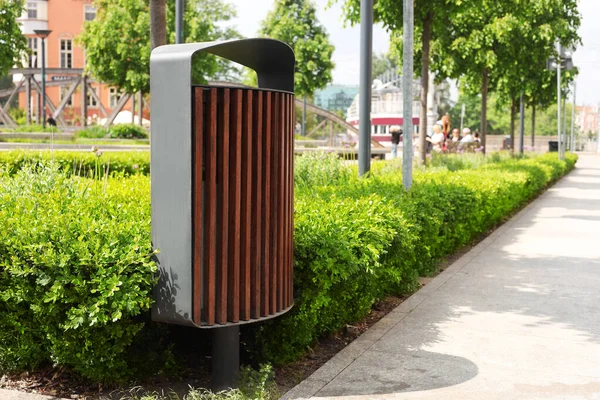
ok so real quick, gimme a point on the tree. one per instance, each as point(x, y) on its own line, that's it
point(158, 23)
point(295, 23)
point(117, 42)
point(12, 42)
point(383, 63)
point(430, 18)
point(485, 45)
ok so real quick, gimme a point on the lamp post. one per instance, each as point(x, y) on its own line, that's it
point(43, 34)
point(563, 60)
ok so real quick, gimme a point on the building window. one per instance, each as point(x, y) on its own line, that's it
point(63, 93)
point(89, 12)
point(32, 10)
point(32, 43)
point(115, 96)
point(66, 53)
point(91, 100)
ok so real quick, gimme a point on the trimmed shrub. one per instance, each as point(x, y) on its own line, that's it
point(75, 253)
point(76, 270)
point(128, 131)
point(79, 163)
point(94, 132)
point(361, 239)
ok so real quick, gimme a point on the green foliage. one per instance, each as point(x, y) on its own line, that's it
point(94, 132)
point(295, 23)
point(13, 42)
point(128, 131)
point(77, 163)
point(117, 42)
point(75, 271)
point(383, 63)
point(356, 241)
point(315, 169)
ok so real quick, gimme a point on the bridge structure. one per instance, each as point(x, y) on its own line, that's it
point(78, 79)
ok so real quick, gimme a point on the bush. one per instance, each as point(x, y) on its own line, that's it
point(76, 275)
point(128, 131)
point(77, 162)
point(75, 271)
point(356, 241)
point(93, 132)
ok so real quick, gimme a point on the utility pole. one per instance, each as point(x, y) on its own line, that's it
point(558, 70)
point(366, 64)
point(179, 21)
point(573, 116)
point(407, 93)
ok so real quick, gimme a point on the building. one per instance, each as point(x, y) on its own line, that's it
point(65, 18)
point(586, 118)
point(386, 110)
point(335, 97)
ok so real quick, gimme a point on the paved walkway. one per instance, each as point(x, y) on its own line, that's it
point(518, 317)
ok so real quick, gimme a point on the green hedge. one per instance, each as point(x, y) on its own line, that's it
point(81, 163)
point(75, 271)
point(360, 240)
point(76, 274)
point(119, 131)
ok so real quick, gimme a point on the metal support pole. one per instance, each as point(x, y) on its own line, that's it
point(179, 21)
point(43, 83)
point(564, 130)
point(522, 125)
point(133, 108)
point(407, 93)
point(84, 102)
point(304, 117)
point(225, 357)
point(558, 70)
point(366, 63)
point(140, 108)
point(28, 100)
point(573, 116)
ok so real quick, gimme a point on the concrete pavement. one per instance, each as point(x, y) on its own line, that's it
point(518, 317)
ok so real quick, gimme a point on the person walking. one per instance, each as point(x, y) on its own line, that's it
point(396, 132)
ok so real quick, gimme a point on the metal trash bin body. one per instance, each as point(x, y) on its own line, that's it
point(552, 145)
point(222, 186)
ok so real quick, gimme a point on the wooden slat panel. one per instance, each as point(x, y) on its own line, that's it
point(284, 202)
point(210, 217)
point(275, 199)
point(290, 198)
point(257, 201)
point(266, 206)
point(235, 187)
point(197, 201)
point(246, 212)
point(280, 196)
point(223, 205)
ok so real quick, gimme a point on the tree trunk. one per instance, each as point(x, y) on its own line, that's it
point(158, 23)
point(513, 112)
point(426, 40)
point(533, 128)
point(484, 95)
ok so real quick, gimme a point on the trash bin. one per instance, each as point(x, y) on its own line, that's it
point(222, 193)
point(553, 145)
point(222, 186)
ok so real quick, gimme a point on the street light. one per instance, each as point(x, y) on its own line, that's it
point(564, 61)
point(43, 34)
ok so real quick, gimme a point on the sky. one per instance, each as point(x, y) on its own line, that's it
point(347, 48)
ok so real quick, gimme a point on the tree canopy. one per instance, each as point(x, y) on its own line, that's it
point(117, 42)
point(12, 41)
point(295, 23)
